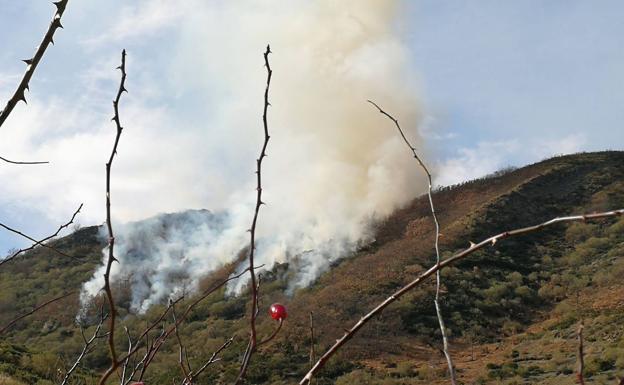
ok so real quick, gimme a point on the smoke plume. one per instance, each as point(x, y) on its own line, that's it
point(335, 166)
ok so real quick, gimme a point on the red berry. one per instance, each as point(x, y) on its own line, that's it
point(278, 311)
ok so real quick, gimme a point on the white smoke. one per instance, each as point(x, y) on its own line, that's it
point(335, 165)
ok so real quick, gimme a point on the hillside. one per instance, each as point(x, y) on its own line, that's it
point(512, 309)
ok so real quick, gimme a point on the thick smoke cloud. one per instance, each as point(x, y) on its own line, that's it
point(335, 166)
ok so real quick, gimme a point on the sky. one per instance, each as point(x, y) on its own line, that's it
point(482, 85)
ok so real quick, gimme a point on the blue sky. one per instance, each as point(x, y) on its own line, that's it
point(494, 83)
point(530, 71)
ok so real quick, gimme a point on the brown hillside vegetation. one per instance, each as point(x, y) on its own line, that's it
point(511, 310)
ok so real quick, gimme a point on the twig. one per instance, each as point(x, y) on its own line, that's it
point(581, 361)
point(151, 352)
point(254, 293)
point(127, 360)
point(125, 379)
point(111, 238)
point(491, 241)
point(185, 371)
point(16, 162)
point(87, 346)
point(269, 338)
point(161, 339)
point(34, 310)
point(447, 354)
point(40, 242)
point(31, 64)
point(312, 352)
point(213, 359)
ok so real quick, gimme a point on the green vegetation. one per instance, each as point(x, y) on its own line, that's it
point(512, 309)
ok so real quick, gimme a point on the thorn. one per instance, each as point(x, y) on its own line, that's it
point(57, 23)
point(494, 241)
point(123, 89)
point(28, 61)
point(472, 244)
point(52, 40)
point(60, 6)
point(269, 104)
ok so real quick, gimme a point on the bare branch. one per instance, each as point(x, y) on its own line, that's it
point(127, 360)
point(40, 242)
point(581, 361)
point(436, 301)
point(16, 162)
point(491, 241)
point(32, 63)
point(151, 352)
point(111, 238)
point(269, 338)
point(34, 310)
point(161, 339)
point(125, 379)
point(212, 360)
point(159, 342)
point(185, 371)
point(312, 352)
point(86, 349)
point(254, 293)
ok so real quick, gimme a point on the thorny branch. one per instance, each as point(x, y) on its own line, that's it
point(447, 354)
point(491, 241)
point(34, 310)
point(32, 63)
point(40, 242)
point(254, 291)
point(111, 237)
point(87, 348)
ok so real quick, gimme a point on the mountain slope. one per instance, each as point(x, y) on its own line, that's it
point(514, 306)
